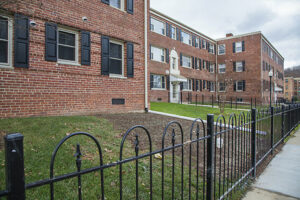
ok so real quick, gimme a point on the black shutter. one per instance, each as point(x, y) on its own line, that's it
point(196, 63)
point(207, 46)
point(151, 81)
point(244, 85)
point(130, 60)
point(180, 59)
point(233, 47)
point(168, 82)
point(193, 63)
point(180, 39)
point(234, 86)
point(200, 43)
point(208, 66)
point(215, 49)
point(130, 6)
point(243, 45)
point(104, 55)
point(204, 84)
point(234, 66)
point(163, 82)
point(105, 1)
point(21, 46)
point(167, 30)
point(194, 85)
point(200, 63)
point(51, 42)
point(244, 66)
point(167, 56)
point(193, 41)
point(208, 85)
point(178, 34)
point(264, 69)
point(85, 48)
point(200, 85)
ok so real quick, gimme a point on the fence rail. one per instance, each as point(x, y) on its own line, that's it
point(212, 161)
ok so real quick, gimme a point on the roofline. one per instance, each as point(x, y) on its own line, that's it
point(238, 36)
point(271, 45)
point(178, 23)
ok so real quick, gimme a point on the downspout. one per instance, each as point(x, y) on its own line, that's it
point(216, 77)
point(146, 54)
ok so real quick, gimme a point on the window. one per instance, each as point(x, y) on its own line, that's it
point(212, 48)
point(197, 42)
point(204, 64)
point(222, 68)
point(239, 100)
point(221, 49)
point(174, 64)
point(221, 87)
point(116, 58)
point(203, 44)
point(173, 32)
point(157, 54)
point(212, 68)
point(5, 42)
point(67, 46)
point(158, 81)
point(158, 26)
point(286, 80)
point(187, 85)
point(239, 66)
point(240, 86)
point(186, 38)
point(186, 61)
point(212, 86)
point(238, 47)
point(117, 4)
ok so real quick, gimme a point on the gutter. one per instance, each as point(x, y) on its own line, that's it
point(146, 54)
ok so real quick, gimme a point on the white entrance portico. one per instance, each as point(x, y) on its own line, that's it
point(175, 78)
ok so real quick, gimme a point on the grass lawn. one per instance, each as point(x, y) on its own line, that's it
point(42, 134)
point(192, 111)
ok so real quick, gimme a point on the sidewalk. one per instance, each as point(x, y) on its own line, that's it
point(281, 179)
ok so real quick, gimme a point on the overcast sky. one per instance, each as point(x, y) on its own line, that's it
point(279, 20)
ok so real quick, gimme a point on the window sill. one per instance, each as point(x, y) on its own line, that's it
point(4, 66)
point(158, 33)
point(68, 63)
point(117, 76)
point(158, 61)
point(187, 90)
point(159, 89)
point(222, 91)
point(186, 67)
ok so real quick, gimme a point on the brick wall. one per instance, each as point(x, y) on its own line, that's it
point(50, 88)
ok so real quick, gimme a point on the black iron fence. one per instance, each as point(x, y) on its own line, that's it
point(209, 162)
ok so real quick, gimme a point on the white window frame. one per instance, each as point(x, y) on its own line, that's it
point(204, 43)
point(212, 48)
point(118, 75)
point(122, 7)
point(212, 68)
point(189, 62)
point(68, 62)
point(212, 86)
point(153, 29)
point(237, 86)
point(9, 44)
point(236, 48)
point(190, 38)
point(220, 87)
point(222, 66)
point(164, 52)
point(197, 42)
point(157, 88)
point(189, 85)
point(173, 34)
point(220, 53)
point(237, 68)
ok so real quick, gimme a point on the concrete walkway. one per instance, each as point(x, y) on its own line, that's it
point(281, 179)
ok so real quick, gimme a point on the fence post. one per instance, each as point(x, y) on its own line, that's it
point(196, 99)
point(231, 102)
point(255, 102)
point(253, 141)
point(272, 130)
point(14, 164)
point(218, 100)
point(181, 96)
point(282, 122)
point(202, 99)
point(212, 100)
point(251, 102)
point(210, 158)
point(235, 102)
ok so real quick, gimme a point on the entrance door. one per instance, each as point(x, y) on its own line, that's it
point(174, 92)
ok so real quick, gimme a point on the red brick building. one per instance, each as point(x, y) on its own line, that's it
point(235, 67)
point(72, 57)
